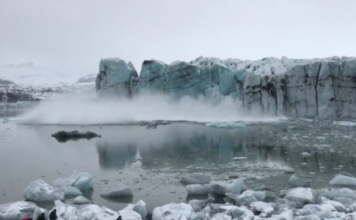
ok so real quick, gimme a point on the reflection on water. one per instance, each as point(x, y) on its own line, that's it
point(180, 146)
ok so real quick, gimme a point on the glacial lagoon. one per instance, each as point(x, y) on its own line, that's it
point(153, 161)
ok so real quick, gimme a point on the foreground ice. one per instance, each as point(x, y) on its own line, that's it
point(174, 211)
point(301, 203)
point(17, 210)
point(40, 191)
point(140, 207)
point(81, 180)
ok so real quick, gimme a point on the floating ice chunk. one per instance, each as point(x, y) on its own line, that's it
point(300, 195)
point(342, 180)
point(39, 191)
point(237, 212)
point(221, 216)
point(295, 181)
point(261, 207)
point(206, 209)
point(128, 215)
point(91, 211)
point(223, 187)
point(38, 211)
point(202, 216)
point(239, 158)
point(344, 123)
point(237, 186)
point(285, 215)
point(81, 200)
point(117, 190)
point(196, 179)
point(141, 208)
point(175, 216)
point(71, 191)
point(81, 180)
point(219, 187)
point(176, 209)
point(307, 217)
point(337, 205)
point(336, 193)
point(306, 154)
point(197, 204)
point(246, 198)
point(227, 125)
point(17, 210)
point(199, 189)
point(320, 211)
point(65, 212)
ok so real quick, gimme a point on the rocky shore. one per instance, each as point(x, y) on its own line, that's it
point(299, 202)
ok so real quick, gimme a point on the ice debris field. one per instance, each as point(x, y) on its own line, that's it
point(300, 202)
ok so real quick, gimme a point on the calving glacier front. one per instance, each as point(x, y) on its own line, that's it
point(292, 87)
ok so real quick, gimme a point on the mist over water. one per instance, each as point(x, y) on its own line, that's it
point(86, 109)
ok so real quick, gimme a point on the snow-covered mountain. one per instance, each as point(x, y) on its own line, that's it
point(90, 78)
point(31, 74)
point(26, 82)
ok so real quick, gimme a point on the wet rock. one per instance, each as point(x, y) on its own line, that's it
point(64, 136)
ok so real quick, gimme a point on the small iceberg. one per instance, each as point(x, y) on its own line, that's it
point(227, 125)
point(344, 123)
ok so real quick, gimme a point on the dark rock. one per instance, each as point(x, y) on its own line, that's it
point(64, 136)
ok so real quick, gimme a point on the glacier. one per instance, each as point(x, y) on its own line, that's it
point(300, 88)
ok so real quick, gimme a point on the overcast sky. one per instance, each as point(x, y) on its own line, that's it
point(73, 35)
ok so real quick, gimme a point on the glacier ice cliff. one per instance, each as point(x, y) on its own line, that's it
point(116, 78)
point(292, 87)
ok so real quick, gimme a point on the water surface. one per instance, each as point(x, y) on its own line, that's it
point(153, 161)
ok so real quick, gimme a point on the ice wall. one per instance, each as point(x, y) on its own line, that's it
point(116, 78)
point(293, 87)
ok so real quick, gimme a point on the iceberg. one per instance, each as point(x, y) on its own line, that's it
point(117, 190)
point(40, 191)
point(81, 180)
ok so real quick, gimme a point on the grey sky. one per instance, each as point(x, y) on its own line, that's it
point(72, 35)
